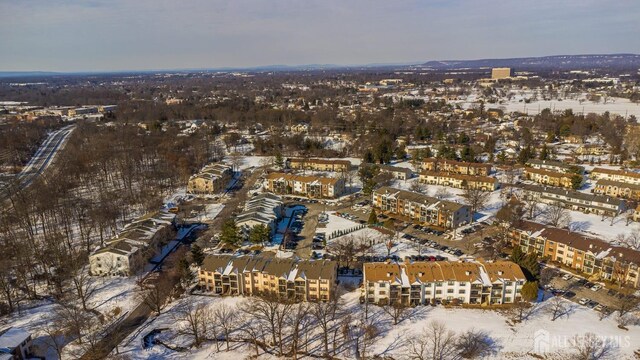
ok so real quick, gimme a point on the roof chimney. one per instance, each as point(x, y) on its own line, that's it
point(500, 272)
point(467, 272)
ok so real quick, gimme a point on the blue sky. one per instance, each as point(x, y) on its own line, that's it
point(98, 35)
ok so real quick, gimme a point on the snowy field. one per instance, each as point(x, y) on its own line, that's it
point(509, 341)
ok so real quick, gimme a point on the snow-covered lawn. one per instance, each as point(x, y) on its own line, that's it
point(510, 341)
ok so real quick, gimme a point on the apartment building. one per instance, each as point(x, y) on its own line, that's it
point(556, 166)
point(212, 179)
point(575, 200)
point(309, 186)
point(319, 164)
point(264, 209)
point(15, 344)
point(624, 176)
point(397, 172)
point(500, 73)
point(594, 257)
point(421, 208)
point(456, 167)
point(419, 283)
point(128, 252)
point(265, 275)
point(617, 189)
point(552, 178)
point(486, 183)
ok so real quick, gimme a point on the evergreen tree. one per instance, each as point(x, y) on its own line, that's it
point(530, 291)
point(373, 217)
point(544, 153)
point(279, 161)
point(517, 256)
point(197, 255)
point(229, 233)
point(259, 234)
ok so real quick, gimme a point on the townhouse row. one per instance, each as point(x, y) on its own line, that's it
point(485, 183)
point(552, 178)
point(419, 283)
point(265, 275)
point(318, 164)
point(421, 208)
point(309, 186)
point(556, 166)
point(456, 167)
point(574, 200)
point(128, 252)
point(617, 189)
point(212, 179)
point(264, 209)
point(623, 176)
point(594, 257)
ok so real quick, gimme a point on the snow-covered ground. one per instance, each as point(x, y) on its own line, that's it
point(537, 335)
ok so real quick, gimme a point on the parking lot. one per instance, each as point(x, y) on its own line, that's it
point(583, 292)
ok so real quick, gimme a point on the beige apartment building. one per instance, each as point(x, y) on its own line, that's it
point(596, 258)
point(547, 177)
point(421, 208)
point(623, 176)
point(319, 164)
point(617, 189)
point(486, 183)
point(500, 73)
point(419, 283)
point(264, 275)
point(456, 167)
point(309, 186)
point(211, 179)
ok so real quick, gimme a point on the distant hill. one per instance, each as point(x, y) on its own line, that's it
point(556, 62)
point(11, 74)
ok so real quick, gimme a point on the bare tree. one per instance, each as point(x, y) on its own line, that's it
point(443, 193)
point(84, 285)
point(325, 314)
point(592, 347)
point(476, 199)
point(54, 338)
point(396, 311)
point(473, 344)
point(521, 310)
point(557, 215)
point(197, 319)
point(298, 320)
point(226, 317)
point(418, 187)
point(155, 296)
point(557, 308)
point(364, 333)
point(435, 341)
point(254, 330)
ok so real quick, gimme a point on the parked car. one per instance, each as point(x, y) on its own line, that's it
point(583, 301)
point(567, 277)
point(596, 287)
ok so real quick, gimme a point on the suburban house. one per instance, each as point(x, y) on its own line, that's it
point(128, 252)
point(594, 257)
point(556, 166)
point(456, 167)
point(310, 186)
point(419, 283)
point(552, 178)
point(264, 209)
point(421, 208)
point(628, 177)
point(575, 200)
point(15, 344)
point(319, 164)
point(264, 275)
point(486, 183)
point(617, 189)
point(211, 179)
point(397, 172)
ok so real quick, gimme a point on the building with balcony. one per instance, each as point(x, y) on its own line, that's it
point(485, 183)
point(265, 275)
point(211, 179)
point(309, 186)
point(421, 208)
point(419, 283)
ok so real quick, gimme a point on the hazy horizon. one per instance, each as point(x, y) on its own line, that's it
point(120, 35)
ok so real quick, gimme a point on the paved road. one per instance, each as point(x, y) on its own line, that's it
point(41, 160)
point(44, 156)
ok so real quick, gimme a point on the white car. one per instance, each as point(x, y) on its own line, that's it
point(583, 301)
point(567, 277)
point(596, 287)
